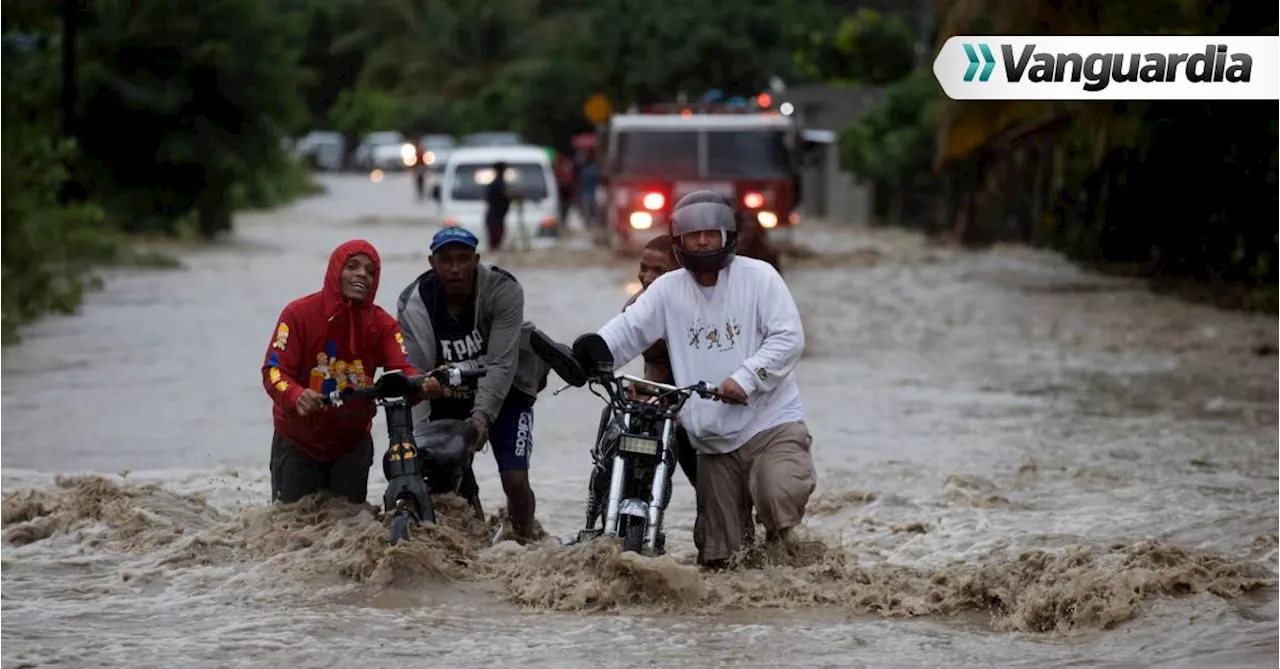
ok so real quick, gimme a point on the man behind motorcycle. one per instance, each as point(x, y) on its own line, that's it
point(464, 312)
point(329, 340)
point(731, 318)
point(657, 259)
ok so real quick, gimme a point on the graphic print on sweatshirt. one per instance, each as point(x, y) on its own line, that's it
point(330, 373)
point(462, 349)
point(451, 349)
point(719, 335)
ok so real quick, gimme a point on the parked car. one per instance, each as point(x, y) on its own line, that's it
point(468, 174)
point(436, 150)
point(380, 150)
point(322, 150)
point(493, 139)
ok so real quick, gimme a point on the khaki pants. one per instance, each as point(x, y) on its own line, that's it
point(772, 471)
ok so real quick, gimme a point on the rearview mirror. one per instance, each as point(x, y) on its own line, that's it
point(592, 352)
point(558, 357)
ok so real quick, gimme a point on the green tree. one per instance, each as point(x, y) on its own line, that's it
point(894, 138)
point(669, 46)
point(48, 248)
point(557, 80)
point(529, 65)
point(329, 61)
point(205, 91)
point(363, 110)
point(868, 48)
point(892, 143)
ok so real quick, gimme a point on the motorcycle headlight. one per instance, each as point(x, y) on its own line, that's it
point(631, 443)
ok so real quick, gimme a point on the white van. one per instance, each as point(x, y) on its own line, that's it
point(529, 174)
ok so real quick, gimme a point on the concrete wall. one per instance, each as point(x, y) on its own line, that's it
point(828, 192)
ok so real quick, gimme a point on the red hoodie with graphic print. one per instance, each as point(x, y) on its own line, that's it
point(326, 342)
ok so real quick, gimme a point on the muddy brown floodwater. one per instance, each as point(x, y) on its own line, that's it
point(1020, 465)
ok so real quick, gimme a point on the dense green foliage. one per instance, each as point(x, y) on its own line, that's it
point(197, 91)
point(1184, 192)
point(182, 109)
point(179, 115)
point(47, 246)
point(529, 65)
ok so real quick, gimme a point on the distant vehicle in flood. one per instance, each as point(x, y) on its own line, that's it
point(492, 139)
point(322, 150)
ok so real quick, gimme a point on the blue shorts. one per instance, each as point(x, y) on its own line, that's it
point(511, 434)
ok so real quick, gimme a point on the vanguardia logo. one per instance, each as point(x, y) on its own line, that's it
point(1109, 67)
point(1098, 70)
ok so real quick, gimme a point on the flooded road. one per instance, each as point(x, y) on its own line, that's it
point(1020, 464)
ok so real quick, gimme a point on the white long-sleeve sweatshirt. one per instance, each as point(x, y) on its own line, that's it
point(745, 326)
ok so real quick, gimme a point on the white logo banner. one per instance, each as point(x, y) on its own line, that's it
point(1162, 67)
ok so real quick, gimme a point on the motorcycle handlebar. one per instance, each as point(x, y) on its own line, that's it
point(452, 376)
point(700, 388)
point(449, 376)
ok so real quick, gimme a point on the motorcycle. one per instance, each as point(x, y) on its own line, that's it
point(634, 456)
point(414, 472)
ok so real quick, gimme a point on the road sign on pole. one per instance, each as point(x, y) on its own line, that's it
point(597, 109)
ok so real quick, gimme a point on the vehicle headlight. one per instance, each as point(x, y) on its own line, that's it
point(631, 443)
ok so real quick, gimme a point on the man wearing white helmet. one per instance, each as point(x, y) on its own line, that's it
point(731, 320)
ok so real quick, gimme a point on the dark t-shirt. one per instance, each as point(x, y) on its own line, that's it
point(457, 340)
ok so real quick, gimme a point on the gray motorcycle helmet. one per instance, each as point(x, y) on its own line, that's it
point(703, 210)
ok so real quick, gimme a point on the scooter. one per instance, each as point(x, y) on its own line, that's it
point(442, 464)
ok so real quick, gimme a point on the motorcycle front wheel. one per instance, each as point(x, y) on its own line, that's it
point(633, 537)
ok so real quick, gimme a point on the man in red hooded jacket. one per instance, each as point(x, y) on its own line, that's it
point(327, 341)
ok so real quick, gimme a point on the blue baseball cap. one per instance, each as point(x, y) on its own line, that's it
point(453, 235)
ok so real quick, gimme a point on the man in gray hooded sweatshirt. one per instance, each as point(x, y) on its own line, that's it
point(462, 311)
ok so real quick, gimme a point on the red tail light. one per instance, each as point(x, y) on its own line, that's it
point(654, 201)
point(753, 200)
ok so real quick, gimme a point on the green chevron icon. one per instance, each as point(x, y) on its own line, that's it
point(987, 58)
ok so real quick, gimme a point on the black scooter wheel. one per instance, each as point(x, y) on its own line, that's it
point(400, 527)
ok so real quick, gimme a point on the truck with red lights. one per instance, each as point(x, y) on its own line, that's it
point(650, 160)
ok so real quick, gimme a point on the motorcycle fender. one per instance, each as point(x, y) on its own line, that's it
point(634, 507)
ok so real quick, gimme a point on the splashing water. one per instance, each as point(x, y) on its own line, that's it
point(1019, 465)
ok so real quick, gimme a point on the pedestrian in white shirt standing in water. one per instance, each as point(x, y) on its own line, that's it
point(730, 319)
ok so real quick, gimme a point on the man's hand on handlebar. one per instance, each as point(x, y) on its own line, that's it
point(433, 389)
point(730, 389)
point(637, 392)
point(308, 402)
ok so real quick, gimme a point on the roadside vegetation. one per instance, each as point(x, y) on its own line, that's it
point(181, 112)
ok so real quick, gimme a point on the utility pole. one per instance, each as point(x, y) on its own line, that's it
point(616, 52)
point(71, 190)
point(71, 19)
point(924, 34)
